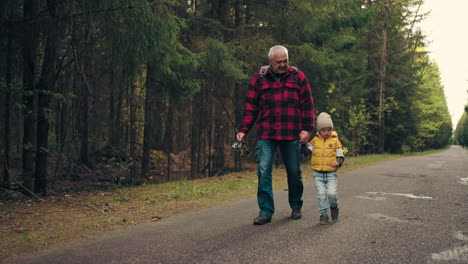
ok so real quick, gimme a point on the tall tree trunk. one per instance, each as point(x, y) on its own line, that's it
point(383, 78)
point(195, 142)
point(127, 124)
point(159, 117)
point(86, 73)
point(60, 87)
point(45, 87)
point(370, 83)
point(209, 132)
point(30, 51)
point(220, 127)
point(354, 129)
point(76, 110)
point(149, 131)
point(237, 103)
point(4, 9)
point(201, 129)
point(219, 135)
point(238, 13)
point(194, 6)
point(19, 129)
point(168, 138)
point(132, 133)
point(84, 128)
point(248, 11)
point(65, 109)
point(112, 129)
point(6, 105)
point(223, 10)
point(183, 124)
point(118, 114)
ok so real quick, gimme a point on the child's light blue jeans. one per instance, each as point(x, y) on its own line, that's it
point(326, 189)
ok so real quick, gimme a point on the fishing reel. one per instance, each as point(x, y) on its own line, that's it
point(239, 146)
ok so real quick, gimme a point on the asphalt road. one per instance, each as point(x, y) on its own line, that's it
point(409, 210)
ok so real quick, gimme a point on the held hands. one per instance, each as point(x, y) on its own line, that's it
point(304, 136)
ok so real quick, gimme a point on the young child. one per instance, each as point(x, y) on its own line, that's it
point(327, 157)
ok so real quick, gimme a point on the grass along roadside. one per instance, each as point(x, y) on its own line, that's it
point(27, 227)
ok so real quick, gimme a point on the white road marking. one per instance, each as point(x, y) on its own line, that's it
point(464, 181)
point(408, 195)
point(461, 236)
point(376, 198)
point(458, 254)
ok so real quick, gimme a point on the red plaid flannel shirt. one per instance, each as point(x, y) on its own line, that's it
point(281, 108)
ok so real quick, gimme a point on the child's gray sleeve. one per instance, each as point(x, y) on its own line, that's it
point(340, 156)
point(311, 147)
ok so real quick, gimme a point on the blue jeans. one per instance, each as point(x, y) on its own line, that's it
point(325, 187)
point(290, 152)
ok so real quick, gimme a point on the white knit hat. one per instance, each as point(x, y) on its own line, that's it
point(324, 120)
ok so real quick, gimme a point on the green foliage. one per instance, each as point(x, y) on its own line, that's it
point(205, 27)
point(45, 150)
point(178, 76)
point(358, 127)
point(461, 131)
point(430, 111)
point(219, 61)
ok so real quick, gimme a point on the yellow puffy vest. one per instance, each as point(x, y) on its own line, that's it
point(324, 152)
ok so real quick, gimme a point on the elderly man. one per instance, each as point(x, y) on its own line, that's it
point(280, 100)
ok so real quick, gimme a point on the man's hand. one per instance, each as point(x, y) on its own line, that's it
point(336, 164)
point(240, 136)
point(303, 136)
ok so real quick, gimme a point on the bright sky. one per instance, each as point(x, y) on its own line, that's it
point(446, 29)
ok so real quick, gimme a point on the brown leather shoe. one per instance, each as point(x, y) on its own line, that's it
point(262, 219)
point(296, 214)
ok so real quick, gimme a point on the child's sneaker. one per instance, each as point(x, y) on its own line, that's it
point(323, 219)
point(334, 213)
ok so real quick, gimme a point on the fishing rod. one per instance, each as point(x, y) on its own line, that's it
point(237, 145)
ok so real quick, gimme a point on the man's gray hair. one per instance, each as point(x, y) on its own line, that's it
point(277, 50)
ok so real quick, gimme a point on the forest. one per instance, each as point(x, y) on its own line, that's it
point(145, 91)
point(460, 135)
